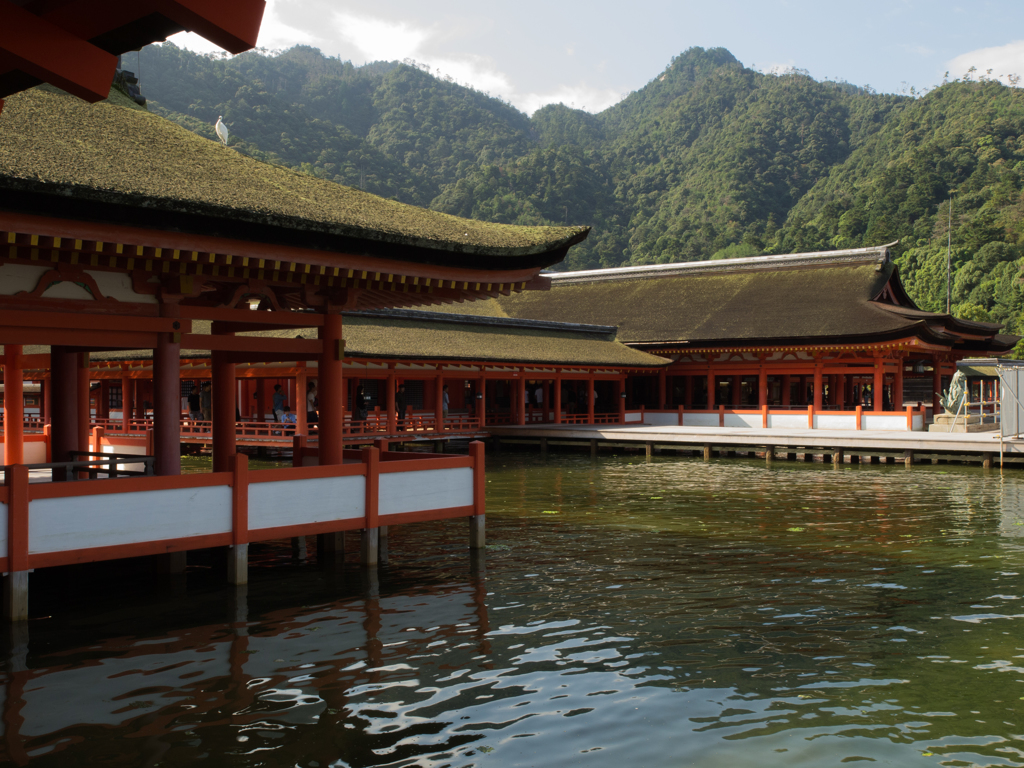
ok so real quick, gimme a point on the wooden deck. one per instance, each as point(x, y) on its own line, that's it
point(807, 441)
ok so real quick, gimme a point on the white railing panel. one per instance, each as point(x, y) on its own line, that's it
point(661, 419)
point(889, 422)
point(751, 420)
point(112, 519)
point(700, 420)
point(299, 502)
point(634, 417)
point(787, 420)
point(834, 421)
point(425, 489)
point(918, 421)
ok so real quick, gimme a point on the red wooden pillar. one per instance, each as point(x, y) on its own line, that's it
point(711, 390)
point(622, 401)
point(556, 400)
point(841, 390)
point(590, 399)
point(439, 402)
point(897, 386)
point(47, 391)
point(261, 400)
point(301, 425)
point(14, 406)
point(787, 386)
point(762, 387)
point(64, 401)
point(84, 408)
point(521, 399)
point(103, 406)
point(818, 380)
point(126, 401)
point(662, 387)
point(167, 402)
point(222, 402)
point(389, 400)
point(878, 385)
point(331, 391)
point(481, 402)
point(737, 389)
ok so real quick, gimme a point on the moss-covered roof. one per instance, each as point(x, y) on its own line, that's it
point(430, 336)
point(61, 156)
point(810, 298)
point(414, 335)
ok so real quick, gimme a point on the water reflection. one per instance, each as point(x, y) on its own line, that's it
point(655, 614)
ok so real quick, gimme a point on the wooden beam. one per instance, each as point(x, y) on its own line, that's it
point(297, 349)
point(44, 319)
point(76, 337)
point(47, 52)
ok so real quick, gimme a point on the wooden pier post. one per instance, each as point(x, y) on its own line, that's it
point(382, 544)
point(908, 459)
point(16, 580)
point(478, 522)
point(369, 545)
point(593, 449)
point(649, 450)
point(543, 446)
point(986, 460)
point(707, 452)
point(769, 455)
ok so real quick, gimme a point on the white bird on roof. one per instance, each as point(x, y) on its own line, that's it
point(222, 130)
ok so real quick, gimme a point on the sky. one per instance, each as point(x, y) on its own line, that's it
point(591, 54)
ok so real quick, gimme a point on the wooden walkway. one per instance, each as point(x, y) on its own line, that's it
point(977, 446)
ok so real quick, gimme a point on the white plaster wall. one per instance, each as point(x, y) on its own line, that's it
point(634, 417)
point(662, 419)
point(298, 502)
point(896, 422)
point(752, 421)
point(110, 519)
point(835, 422)
point(425, 489)
point(700, 419)
point(35, 452)
point(787, 421)
point(918, 422)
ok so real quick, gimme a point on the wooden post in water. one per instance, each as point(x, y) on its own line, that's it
point(707, 452)
point(908, 459)
point(837, 457)
point(769, 455)
point(986, 460)
point(593, 449)
point(478, 522)
point(543, 446)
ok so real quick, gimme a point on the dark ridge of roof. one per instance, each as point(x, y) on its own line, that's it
point(426, 336)
point(822, 298)
point(62, 157)
point(833, 301)
point(878, 255)
point(500, 322)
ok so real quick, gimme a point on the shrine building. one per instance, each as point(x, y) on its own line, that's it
point(122, 231)
point(833, 332)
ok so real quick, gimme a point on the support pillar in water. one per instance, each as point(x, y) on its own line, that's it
point(16, 596)
point(238, 564)
point(369, 547)
point(477, 525)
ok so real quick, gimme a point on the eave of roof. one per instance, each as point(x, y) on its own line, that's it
point(60, 156)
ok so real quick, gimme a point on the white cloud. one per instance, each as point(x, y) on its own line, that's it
point(580, 97)
point(380, 40)
point(1003, 60)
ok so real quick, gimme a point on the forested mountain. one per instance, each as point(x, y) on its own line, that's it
point(709, 160)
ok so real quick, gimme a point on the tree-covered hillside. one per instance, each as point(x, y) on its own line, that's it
point(709, 160)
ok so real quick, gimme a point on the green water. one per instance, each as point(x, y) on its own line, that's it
point(625, 614)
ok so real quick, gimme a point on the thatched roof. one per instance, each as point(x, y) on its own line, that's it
point(801, 298)
point(102, 162)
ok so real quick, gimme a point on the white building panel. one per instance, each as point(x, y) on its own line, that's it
point(299, 502)
point(787, 421)
point(835, 421)
point(427, 489)
point(700, 419)
point(111, 519)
